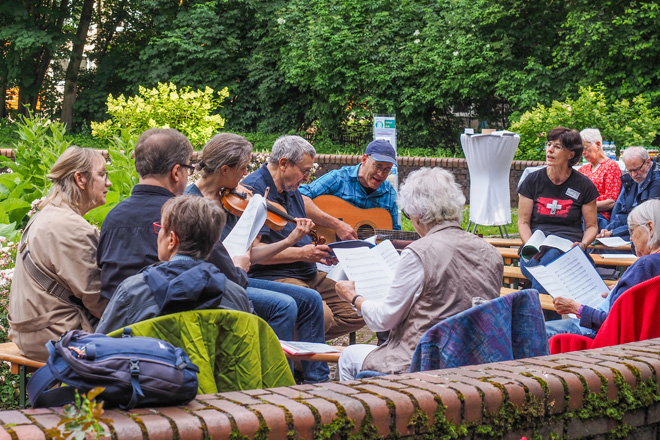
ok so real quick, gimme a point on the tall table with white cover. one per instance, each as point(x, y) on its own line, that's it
point(489, 158)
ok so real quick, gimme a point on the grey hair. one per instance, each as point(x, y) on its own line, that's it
point(648, 211)
point(292, 148)
point(432, 195)
point(640, 152)
point(591, 135)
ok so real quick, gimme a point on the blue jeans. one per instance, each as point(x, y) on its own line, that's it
point(570, 325)
point(278, 301)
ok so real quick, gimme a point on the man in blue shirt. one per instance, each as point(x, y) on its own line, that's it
point(641, 183)
point(363, 185)
point(289, 166)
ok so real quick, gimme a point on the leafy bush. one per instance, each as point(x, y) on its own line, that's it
point(624, 122)
point(40, 144)
point(190, 112)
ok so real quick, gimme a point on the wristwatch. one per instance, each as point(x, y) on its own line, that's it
point(355, 298)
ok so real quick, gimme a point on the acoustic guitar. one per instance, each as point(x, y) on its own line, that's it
point(365, 222)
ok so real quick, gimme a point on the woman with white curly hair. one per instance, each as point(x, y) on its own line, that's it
point(437, 277)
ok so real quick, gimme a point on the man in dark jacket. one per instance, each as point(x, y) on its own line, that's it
point(187, 233)
point(641, 183)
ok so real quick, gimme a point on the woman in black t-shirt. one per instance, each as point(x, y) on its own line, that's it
point(557, 199)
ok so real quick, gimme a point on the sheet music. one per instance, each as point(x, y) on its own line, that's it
point(613, 241)
point(369, 270)
point(247, 228)
point(571, 276)
point(386, 250)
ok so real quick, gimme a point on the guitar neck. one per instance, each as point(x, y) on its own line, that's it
point(389, 234)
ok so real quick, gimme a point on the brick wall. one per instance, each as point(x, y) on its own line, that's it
point(591, 394)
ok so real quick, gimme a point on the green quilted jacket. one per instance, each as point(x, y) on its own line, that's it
point(233, 350)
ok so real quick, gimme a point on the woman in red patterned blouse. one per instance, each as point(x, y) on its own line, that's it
point(603, 172)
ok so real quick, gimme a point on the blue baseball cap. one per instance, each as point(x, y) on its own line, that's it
point(382, 151)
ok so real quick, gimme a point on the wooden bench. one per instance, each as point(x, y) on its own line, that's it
point(546, 300)
point(20, 365)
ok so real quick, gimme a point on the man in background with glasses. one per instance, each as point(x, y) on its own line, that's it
point(641, 183)
point(363, 185)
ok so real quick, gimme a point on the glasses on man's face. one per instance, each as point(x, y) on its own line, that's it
point(405, 214)
point(157, 227)
point(636, 170)
point(379, 168)
point(190, 168)
point(305, 173)
point(557, 146)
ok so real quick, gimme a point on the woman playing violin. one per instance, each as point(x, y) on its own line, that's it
point(223, 164)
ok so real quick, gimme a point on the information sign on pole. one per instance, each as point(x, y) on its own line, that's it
point(385, 129)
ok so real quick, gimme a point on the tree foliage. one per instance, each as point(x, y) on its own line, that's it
point(625, 122)
point(329, 65)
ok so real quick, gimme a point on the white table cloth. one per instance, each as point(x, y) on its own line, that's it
point(489, 158)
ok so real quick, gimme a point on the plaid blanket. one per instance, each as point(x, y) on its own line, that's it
point(505, 328)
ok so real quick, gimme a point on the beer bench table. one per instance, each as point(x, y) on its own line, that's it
point(20, 365)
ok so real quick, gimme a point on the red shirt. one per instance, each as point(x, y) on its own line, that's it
point(607, 179)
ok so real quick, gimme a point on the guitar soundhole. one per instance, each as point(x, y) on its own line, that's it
point(365, 231)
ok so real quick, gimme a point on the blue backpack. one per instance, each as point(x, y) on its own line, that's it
point(135, 371)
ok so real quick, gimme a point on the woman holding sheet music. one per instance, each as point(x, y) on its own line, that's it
point(557, 200)
point(285, 307)
point(645, 236)
point(438, 276)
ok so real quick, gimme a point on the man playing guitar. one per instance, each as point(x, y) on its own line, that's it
point(363, 185)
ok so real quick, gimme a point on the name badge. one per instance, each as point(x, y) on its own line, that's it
point(570, 192)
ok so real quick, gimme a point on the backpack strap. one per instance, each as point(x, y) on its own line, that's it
point(39, 393)
point(42, 278)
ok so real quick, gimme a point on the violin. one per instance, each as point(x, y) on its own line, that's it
point(236, 200)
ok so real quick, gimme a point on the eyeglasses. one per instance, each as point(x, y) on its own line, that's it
point(189, 167)
point(405, 214)
point(557, 146)
point(157, 227)
point(305, 173)
point(638, 169)
point(631, 229)
point(379, 168)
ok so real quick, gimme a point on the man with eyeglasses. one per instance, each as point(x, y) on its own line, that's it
point(288, 166)
point(127, 243)
point(641, 183)
point(363, 185)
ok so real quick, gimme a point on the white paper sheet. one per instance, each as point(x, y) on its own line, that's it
point(612, 241)
point(371, 269)
point(571, 276)
point(247, 228)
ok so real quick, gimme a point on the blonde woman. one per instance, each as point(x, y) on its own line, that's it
point(56, 285)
